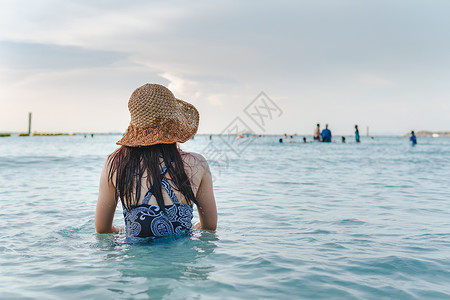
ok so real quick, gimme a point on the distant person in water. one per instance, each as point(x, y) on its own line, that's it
point(357, 138)
point(343, 139)
point(280, 141)
point(317, 133)
point(413, 138)
point(326, 135)
point(304, 140)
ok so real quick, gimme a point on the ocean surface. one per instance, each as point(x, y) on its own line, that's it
point(296, 221)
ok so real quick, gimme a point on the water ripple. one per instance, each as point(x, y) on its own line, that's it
point(308, 221)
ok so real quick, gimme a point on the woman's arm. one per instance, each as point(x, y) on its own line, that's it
point(106, 204)
point(207, 210)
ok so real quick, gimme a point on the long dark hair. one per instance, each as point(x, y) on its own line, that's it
point(128, 165)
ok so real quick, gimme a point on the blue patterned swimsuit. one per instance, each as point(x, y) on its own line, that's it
point(146, 220)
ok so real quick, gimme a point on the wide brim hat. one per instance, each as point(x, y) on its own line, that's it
point(157, 117)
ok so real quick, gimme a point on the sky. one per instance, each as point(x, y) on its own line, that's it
point(74, 64)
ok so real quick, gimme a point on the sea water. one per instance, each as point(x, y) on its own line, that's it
point(296, 221)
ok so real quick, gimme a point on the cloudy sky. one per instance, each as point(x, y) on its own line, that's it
point(74, 64)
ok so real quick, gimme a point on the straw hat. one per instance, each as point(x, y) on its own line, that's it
point(157, 117)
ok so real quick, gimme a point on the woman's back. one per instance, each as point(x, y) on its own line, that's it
point(156, 183)
point(147, 219)
point(194, 165)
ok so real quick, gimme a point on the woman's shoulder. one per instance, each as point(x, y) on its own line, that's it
point(193, 158)
point(196, 161)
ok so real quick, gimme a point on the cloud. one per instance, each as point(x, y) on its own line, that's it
point(97, 25)
point(182, 86)
point(328, 61)
point(374, 80)
point(17, 55)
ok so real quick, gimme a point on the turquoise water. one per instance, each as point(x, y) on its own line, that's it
point(312, 221)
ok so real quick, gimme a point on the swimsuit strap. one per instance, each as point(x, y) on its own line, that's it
point(166, 186)
point(169, 190)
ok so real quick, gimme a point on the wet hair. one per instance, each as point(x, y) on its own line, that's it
point(129, 164)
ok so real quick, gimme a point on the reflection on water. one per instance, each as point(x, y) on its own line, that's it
point(158, 265)
point(348, 221)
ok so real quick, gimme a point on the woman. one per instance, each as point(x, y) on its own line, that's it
point(155, 181)
point(317, 135)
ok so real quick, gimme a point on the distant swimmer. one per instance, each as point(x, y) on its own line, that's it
point(304, 140)
point(413, 138)
point(343, 139)
point(317, 133)
point(357, 134)
point(326, 135)
point(280, 141)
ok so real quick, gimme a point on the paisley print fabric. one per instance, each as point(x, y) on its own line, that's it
point(147, 220)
